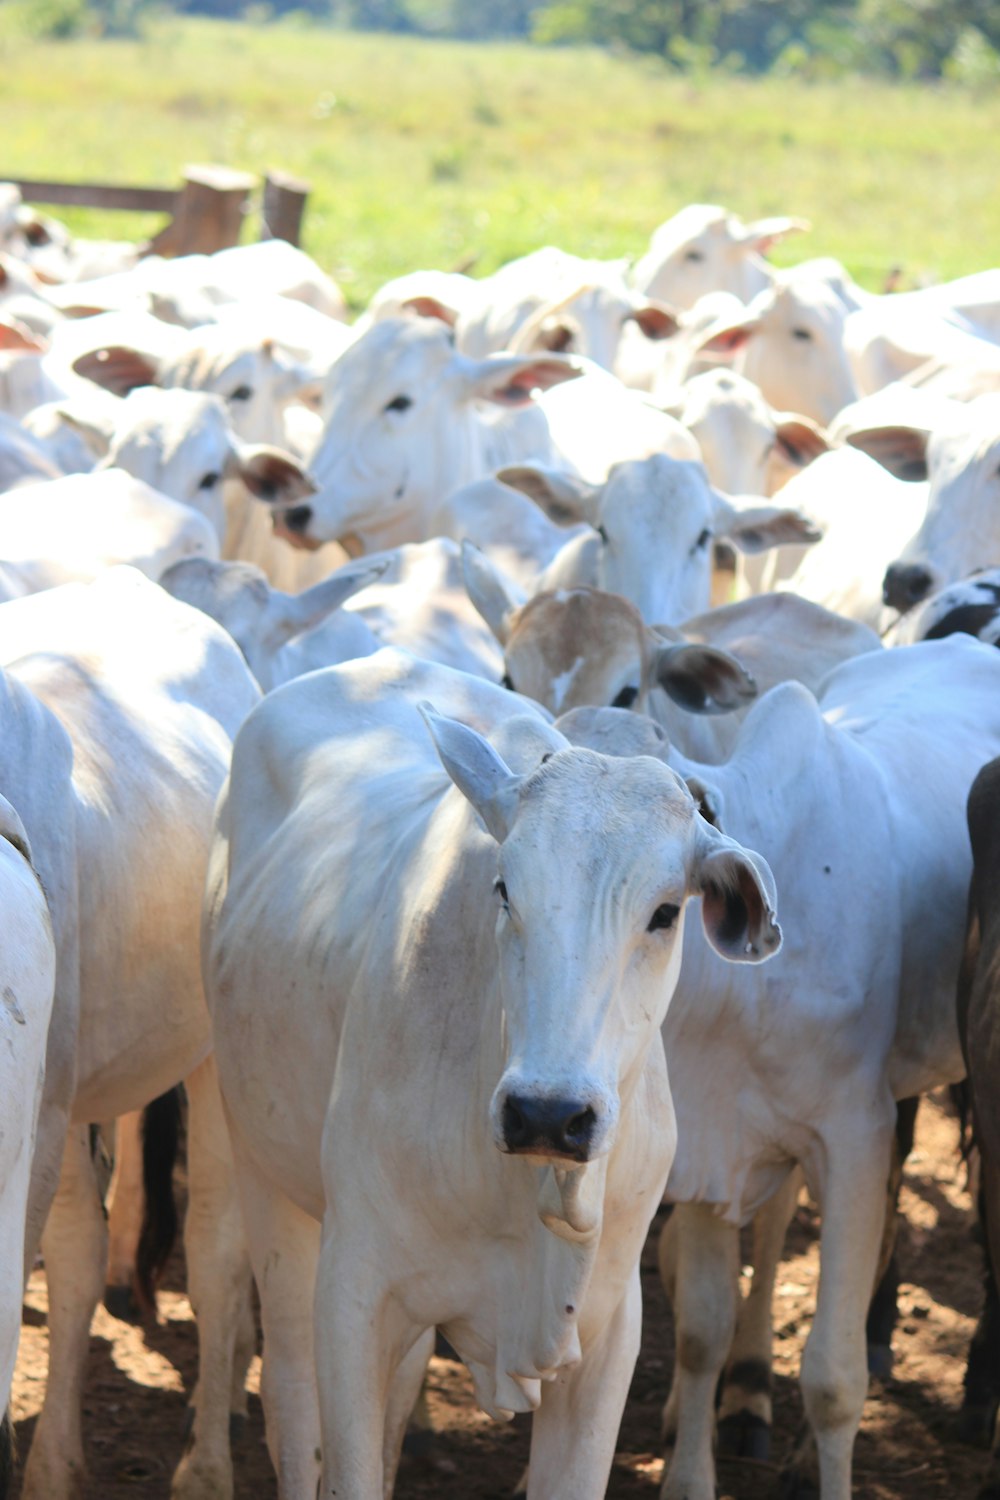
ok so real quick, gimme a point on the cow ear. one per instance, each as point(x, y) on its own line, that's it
point(702, 679)
point(900, 449)
point(563, 497)
point(476, 769)
point(763, 234)
point(800, 438)
point(496, 597)
point(269, 474)
point(513, 379)
point(655, 319)
point(17, 338)
point(724, 341)
point(118, 369)
point(430, 307)
point(738, 899)
point(755, 528)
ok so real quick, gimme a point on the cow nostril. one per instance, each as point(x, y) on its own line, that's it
point(918, 586)
point(578, 1128)
point(515, 1126)
point(297, 518)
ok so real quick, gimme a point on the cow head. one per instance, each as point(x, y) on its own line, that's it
point(597, 857)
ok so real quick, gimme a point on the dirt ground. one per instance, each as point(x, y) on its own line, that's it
point(907, 1449)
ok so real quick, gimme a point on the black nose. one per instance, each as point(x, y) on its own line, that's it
point(297, 518)
point(904, 586)
point(551, 1127)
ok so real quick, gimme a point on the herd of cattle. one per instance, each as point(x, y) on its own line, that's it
point(374, 698)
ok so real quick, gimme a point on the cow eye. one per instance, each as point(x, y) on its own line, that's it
point(803, 334)
point(506, 682)
point(603, 535)
point(663, 917)
point(241, 393)
point(209, 482)
point(695, 255)
point(501, 890)
point(626, 697)
point(399, 403)
point(704, 537)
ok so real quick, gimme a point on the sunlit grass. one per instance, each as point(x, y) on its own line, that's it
point(428, 153)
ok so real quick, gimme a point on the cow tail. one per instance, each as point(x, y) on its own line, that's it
point(161, 1131)
point(8, 1456)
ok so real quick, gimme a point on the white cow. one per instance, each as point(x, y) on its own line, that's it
point(866, 515)
point(705, 249)
point(413, 596)
point(69, 530)
point(865, 830)
point(552, 300)
point(747, 447)
point(183, 445)
point(405, 425)
point(651, 528)
point(150, 694)
point(960, 528)
point(971, 606)
point(28, 973)
point(491, 1039)
point(580, 646)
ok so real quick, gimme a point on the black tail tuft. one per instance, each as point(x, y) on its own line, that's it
point(8, 1456)
point(161, 1127)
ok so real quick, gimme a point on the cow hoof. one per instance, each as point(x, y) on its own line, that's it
point(121, 1304)
point(237, 1426)
point(794, 1485)
point(744, 1435)
point(880, 1361)
point(974, 1424)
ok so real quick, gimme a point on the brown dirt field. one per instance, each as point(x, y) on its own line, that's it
point(134, 1400)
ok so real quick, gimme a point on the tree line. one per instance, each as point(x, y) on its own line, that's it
point(911, 39)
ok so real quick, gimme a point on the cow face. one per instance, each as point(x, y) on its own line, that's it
point(655, 520)
point(962, 525)
point(703, 249)
point(402, 428)
point(597, 858)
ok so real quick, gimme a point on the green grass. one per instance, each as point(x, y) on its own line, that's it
point(423, 153)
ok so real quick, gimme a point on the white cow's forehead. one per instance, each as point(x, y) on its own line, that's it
point(588, 794)
point(392, 350)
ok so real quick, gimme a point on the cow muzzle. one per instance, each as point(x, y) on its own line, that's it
point(548, 1127)
point(905, 585)
point(292, 524)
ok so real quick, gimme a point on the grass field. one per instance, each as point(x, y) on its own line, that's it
point(422, 153)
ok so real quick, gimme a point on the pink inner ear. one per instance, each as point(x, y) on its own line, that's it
point(430, 307)
point(655, 322)
point(540, 376)
point(13, 337)
point(729, 341)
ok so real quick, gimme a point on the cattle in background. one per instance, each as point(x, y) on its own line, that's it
point(868, 995)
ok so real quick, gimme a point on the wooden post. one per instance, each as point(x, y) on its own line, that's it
point(282, 207)
point(211, 207)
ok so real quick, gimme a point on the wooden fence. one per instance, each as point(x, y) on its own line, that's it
point(207, 211)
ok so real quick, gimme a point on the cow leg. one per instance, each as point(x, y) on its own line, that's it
point(407, 1390)
point(982, 1372)
point(575, 1428)
point(848, 1181)
point(124, 1218)
point(990, 1210)
point(745, 1412)
point(284, 1247)
point(882, 1312)
point(363, 1338)
point(74, 1244)
point(705, 1317)
point(218, 1285)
